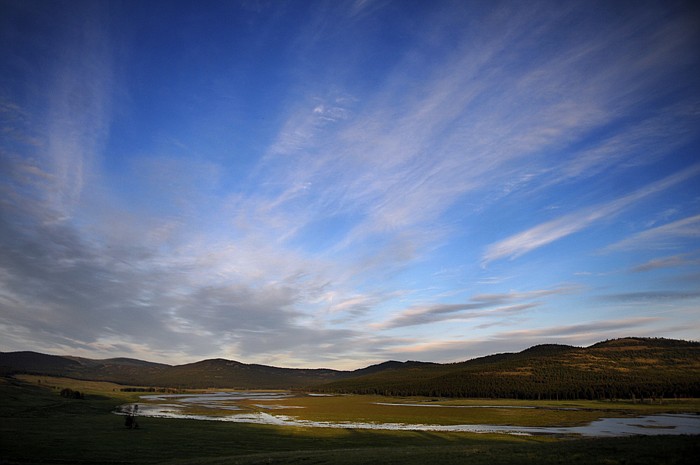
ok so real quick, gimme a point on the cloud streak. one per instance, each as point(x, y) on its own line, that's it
point(554, 230)
point(517, 340)
point(661, 237)
point(651, 296)
point(479, 306)
point(667, 262)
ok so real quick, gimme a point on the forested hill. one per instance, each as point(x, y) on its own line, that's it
point(622, 368)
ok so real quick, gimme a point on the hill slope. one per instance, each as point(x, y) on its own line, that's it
point(622, 368)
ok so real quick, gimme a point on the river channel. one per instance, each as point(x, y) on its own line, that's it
point(235, 406)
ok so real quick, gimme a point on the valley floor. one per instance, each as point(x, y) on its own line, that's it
point(37, 425)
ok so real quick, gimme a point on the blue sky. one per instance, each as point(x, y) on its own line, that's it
point(334, 184)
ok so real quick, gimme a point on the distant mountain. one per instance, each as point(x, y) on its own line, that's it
point(623, 368)
point(203, 374)
point(34, 362)
point(222, 373)
point(119, 370)
point(390, 366)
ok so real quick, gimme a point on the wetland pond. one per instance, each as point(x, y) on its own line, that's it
point(283, 408)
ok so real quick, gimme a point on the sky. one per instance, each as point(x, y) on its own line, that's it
point(340, 183)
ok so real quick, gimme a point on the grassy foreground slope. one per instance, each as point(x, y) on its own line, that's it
point(39, 426)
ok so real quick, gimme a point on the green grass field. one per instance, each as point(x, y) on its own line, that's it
point(39, 426)
point(368, 408)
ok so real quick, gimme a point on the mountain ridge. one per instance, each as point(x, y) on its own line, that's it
point(618, 365)
point(620, 368)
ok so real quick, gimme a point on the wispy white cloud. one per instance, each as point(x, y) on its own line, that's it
point(673, 261)
point(580, 331)
point(642, 143)
point(512, 296)
point(79, 97)
point(652, 296)
point(479, 306)
point(443, 312)
point(548, 232)
point(661, 237)
point(517, 340)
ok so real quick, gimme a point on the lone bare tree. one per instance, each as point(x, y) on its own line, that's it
point(130, 420)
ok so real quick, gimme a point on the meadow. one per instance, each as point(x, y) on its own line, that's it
point(37, 425)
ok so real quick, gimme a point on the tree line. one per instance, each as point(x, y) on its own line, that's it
point(69, 393)
point(552, 384)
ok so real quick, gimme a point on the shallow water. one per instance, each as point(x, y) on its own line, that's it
point(649, 425)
